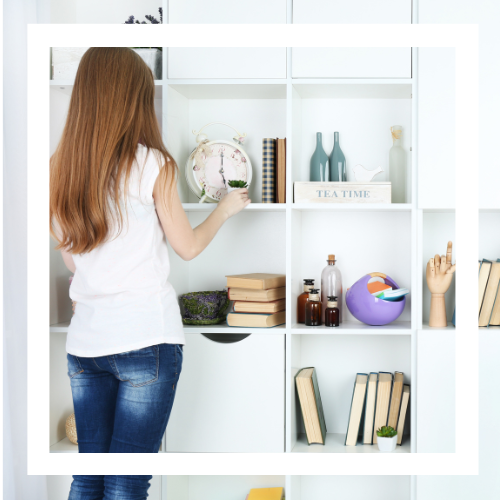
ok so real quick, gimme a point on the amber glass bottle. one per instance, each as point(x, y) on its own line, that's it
point(313, 308)
point(302, 299)
point(332, 313)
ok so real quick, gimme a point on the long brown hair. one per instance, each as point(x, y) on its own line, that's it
point(111, 111)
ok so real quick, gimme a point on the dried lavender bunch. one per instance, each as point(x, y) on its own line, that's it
point(151, 19)
point(204, 305)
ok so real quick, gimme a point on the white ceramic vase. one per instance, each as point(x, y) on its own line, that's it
point(386, 445)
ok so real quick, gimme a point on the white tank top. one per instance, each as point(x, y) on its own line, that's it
point(123, 298)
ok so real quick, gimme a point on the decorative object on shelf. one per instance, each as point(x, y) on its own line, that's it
point(213, 163)
point(152, 57)
point(268, 170)
point(65, 61)
point(233, 185)
point(489, 293)
point(397, 166)
point(204, 308)
point(331, 285)
point(319, 162)
point(337, 162)
point(332, 313)
point(361, 174)
point(313, 309)
point(439, 275)
point(313, 417)
point(302, 299)
point(387, 438)
point(151, 19)
point(71, 429)
point(342, 192)
point(369, 309)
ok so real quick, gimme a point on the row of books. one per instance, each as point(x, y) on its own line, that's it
point(273, 170)
point(266, 494)
point(258, 300)
point(378, 399)
point(489, 293)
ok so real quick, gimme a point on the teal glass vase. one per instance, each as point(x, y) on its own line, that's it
point(337, 162)
point(319, 162)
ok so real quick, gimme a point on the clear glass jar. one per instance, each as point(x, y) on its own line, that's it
point(331, 285)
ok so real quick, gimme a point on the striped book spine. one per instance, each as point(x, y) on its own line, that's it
point(268, 169)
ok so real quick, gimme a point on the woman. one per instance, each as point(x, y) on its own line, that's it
point(113, 200)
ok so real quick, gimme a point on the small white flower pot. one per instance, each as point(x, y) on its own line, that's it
point(230, 189)
point(387, 445)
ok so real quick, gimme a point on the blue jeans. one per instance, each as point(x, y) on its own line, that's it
point(109, 488)
point(122, 402)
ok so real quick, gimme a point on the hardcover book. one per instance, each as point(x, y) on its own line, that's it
point(397, 392)
point(402, 414)
point(268, 169)
point(259, 307)
point(490, 294)
point(311, 406)
point(252, 295)
point(371, 397)
point(256, 320)
point(383, 399)
point(357, 405)
point(256, 281)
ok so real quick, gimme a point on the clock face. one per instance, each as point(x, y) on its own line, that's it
point(226, 162)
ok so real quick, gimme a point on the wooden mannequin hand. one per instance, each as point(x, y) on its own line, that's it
point(439, 272)
point(439, 275)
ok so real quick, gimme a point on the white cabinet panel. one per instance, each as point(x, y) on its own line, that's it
point(320, 62)
point(436, 127)
point(436, 391)
point(229, 62)
point(230, 396)
point(226, 12)
point(352, 11)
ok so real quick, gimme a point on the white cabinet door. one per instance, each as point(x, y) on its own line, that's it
point(230, 396)
point(228, 62)
point(436, 391)
point(436, 127)
point(352, 62)
point(226, 12)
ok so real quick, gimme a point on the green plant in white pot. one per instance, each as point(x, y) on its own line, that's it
point(232, 185)
point(387, 438)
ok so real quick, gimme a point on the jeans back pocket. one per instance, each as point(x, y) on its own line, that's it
point(138, 367)
point(74, 366)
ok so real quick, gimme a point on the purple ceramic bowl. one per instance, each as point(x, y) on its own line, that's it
point(369, 309)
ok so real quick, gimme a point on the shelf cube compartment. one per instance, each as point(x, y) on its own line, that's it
point(337, 359)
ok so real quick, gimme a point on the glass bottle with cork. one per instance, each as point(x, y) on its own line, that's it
point(331, 285)
point(332, 313)
point(302, 299)
point(313, 309)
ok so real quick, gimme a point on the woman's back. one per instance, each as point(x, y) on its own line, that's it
point(123, 298)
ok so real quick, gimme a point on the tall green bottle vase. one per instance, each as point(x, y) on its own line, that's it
point(337, 162)
point(319, 162)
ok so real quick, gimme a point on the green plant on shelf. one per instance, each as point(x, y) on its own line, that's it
point(237, 184)
point(386, 432)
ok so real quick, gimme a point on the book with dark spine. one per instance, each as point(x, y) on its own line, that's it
point(268, 169)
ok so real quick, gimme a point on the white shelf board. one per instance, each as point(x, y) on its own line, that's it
point(438, 328)
point(64, 446)
point(352, 89)
point(352, 328)
point(230, 89)
point(334, 443)
point(260, 207)
point(224, 328)
point(221, 328)
point(353, 207)
point(66, 87)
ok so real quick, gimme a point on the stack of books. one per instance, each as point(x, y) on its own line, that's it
point(378, 399)
point(273, 170)
point(489, 293)
point(259, 300)
point(266, 494)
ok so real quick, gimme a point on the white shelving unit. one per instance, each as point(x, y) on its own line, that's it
point(257, 367)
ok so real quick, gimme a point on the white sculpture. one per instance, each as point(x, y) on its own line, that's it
point(361, 174)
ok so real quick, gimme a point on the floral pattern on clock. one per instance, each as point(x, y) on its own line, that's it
point(234, 166)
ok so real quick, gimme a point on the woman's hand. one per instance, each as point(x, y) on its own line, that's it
point(234, 202)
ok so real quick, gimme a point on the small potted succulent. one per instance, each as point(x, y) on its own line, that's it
point(150, 55)
point(387, 438)
point(232, 185)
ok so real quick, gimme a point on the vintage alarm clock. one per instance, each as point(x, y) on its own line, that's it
point(212, 164)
